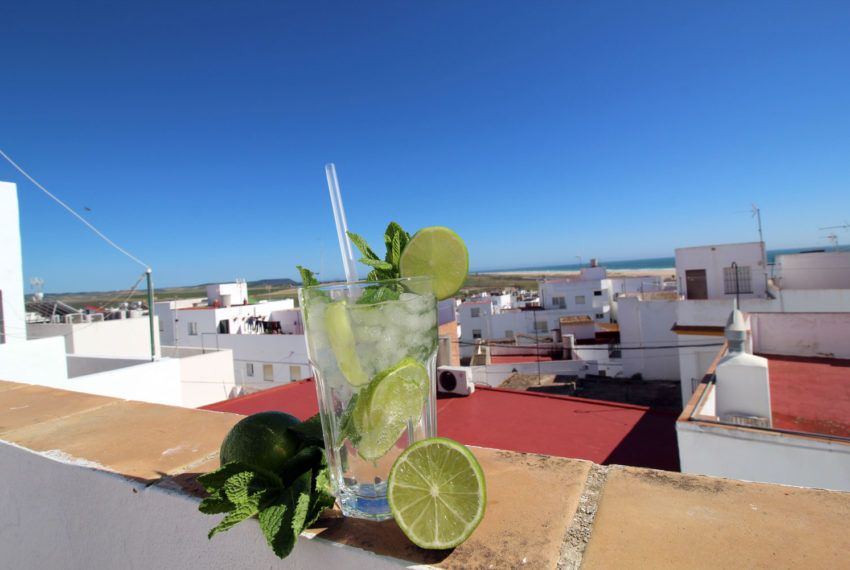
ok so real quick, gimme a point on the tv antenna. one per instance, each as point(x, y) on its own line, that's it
point(845, 226)
point(833, 239)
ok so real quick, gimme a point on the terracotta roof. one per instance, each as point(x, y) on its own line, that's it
point(518, 358)
point(608, 327)
point(810, 394)
point(564, 426)
point(576, 320)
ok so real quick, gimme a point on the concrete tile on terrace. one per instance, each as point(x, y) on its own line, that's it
point(656, 519)
point(6, 385)
point(136, 439)
point(531, 500)
point(29, 404)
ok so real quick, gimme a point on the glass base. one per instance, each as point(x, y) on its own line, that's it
point(365, 502)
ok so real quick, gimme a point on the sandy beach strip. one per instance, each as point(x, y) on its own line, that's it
point(665, 273)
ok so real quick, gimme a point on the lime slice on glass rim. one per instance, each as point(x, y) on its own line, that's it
point(437, 493)
point(341, 337)
point(439, 253)
point(383, 409)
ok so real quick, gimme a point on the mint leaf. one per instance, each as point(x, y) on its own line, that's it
point(362, 246)
point(321, 497)
point(303, 461)
point(214, 480)
point(308, 278)
point(309, 432)
point(216, 503)
point(376, 263)
point(396, 240)
point(379, 294)
point(283, 515)
point(237, 515)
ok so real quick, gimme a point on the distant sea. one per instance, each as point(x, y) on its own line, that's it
point(650, 262)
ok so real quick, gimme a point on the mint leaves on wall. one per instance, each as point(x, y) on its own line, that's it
point(285, 503)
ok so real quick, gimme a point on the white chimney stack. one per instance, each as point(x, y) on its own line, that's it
point(742, 381)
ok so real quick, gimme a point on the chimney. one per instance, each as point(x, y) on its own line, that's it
point(742, 383)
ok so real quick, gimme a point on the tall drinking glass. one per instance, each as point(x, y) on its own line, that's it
point(372, 347)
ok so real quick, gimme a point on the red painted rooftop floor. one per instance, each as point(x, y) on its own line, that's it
point(810, 394)
point(602, 432)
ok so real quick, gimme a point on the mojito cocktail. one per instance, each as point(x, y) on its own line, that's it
point(373, 347)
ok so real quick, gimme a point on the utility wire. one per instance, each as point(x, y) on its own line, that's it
point(73, 213)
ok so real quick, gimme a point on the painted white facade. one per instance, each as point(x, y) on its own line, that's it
point(194, 379)
point(766, 457)
point(34, 361)
point(495, 374)
point(125, 338)
point(57, 512)
point(227, 294)
point(648, 323)
point(802, 334)
point(821, 270)
point(714, 259)
point(260, 360)
point(12, 312)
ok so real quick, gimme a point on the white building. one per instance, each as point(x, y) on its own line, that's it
point(783, 418)
point(109, 358)
point(12, 313)
point(118, 338)
point(707, 272)
point(267, 338)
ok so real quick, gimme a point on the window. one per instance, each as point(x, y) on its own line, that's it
point(224, 326)
point(597, 293)
point(579, 299)
point(294, 372)
point(600, 315)
point(475, 312)
point(193, 329)
point(249, 369)
point(476, 333)
point(509, 333)
point(559, 302)
point(744, 282)
point(268, 372)
point(541, 326)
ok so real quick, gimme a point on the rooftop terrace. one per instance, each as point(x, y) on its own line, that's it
point(519, 421)
point(95, 482)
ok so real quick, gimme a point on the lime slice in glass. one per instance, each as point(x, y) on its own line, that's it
point(437, 252)
point(393, 398)
point(437, 493)
point(341, 338)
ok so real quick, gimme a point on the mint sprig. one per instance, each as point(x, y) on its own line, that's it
point(285, 503)
point(395, 240)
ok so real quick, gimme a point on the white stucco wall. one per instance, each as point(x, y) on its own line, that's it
point(802, 334)
point(12, 312)
point(279, 350)
point(694, 360)
point(55, 515)
point(824, 270)
point(33, 361)
point(84, 365)
point(713, 258)
point(648, 323)
point(120, 338)
point(495, 374)
point(763, 457)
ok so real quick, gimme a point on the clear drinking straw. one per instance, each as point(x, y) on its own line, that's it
point(341, 224)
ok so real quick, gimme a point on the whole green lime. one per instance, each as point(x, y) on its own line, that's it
point(261, 440)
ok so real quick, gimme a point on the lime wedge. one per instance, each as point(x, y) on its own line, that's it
point(384, 407)
point(341, 338)
point(437, 252)
point(437, 493)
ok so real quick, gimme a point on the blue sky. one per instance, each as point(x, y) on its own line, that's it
point(197, 132)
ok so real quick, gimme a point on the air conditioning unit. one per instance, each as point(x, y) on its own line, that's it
point(455, 380)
